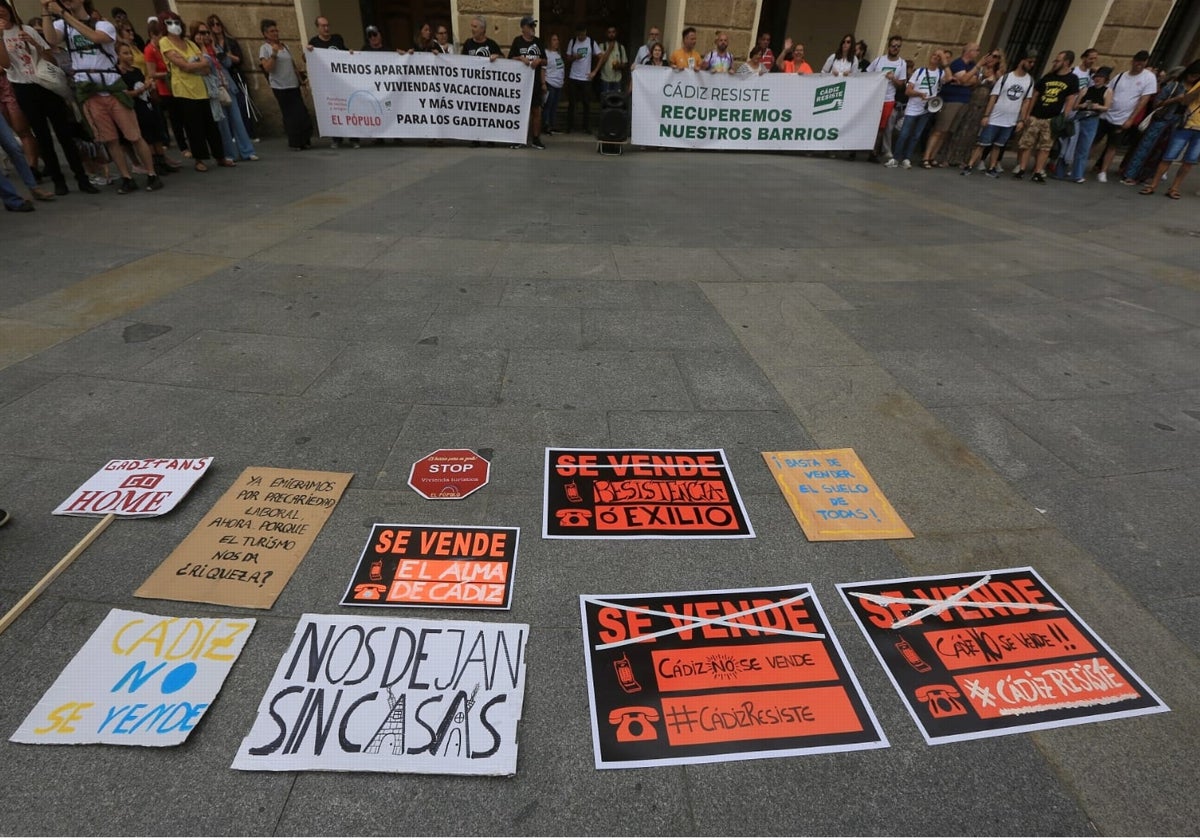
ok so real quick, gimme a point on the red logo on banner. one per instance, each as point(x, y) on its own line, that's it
point(449, 474)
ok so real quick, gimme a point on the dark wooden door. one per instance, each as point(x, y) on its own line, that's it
point(400, 20)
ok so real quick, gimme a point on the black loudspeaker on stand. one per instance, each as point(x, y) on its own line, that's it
point(614, 123)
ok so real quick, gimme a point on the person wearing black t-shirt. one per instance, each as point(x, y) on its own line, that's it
point(324, 40)
point(1053, 94)
point(527, 49)
point(479, 43)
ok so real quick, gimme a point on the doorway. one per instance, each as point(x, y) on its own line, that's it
point(400, 20)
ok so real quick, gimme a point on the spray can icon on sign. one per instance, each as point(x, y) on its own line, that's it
point(625, 676)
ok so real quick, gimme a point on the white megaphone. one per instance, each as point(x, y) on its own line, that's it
point(934, 105)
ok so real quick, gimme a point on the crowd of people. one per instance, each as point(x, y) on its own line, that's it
point(115, 99)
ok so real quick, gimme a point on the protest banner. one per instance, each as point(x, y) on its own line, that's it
point(140, 680)
point(697, 677)
point(834, 497)
point(425, 95)
point(135, 487)
point(392, 696)
point(246, 548)
point(992, 653)
point(614, 494)
point(695, 109)
point(435, 566)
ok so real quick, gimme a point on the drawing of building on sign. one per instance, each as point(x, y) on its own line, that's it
point(392, 727)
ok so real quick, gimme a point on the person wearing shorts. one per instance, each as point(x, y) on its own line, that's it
point(1053, 94)
point(1185, 140)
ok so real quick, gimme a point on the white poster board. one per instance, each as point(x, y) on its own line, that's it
point(392, 696)
point(140, 680)
point(135, 487)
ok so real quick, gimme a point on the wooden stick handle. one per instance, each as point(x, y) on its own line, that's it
point(62, 564)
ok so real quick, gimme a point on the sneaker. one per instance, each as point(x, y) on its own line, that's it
point(537, 144)
point(517, 146)
point(154, 183)
point(1102, 177)
point(1038, 178)
point(891, 163)
point(127, 186)
point(1018, 174)
point(87, 186)
point(98, 181)
point(994, 172)
point(252, 157)
point(1129, 182)
point(906, 164)
point(333, 144)
point(966, 170)
point(355, 145)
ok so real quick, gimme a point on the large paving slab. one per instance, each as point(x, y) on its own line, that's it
point(1016, 364)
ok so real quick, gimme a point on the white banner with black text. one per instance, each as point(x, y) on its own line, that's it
point(369, 95)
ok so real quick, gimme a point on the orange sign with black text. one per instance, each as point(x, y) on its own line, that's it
point(435, 566)
point(697, 677)
point(834, 497)
point(992, 653)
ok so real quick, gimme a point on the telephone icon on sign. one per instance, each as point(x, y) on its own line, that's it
point(573, 517)
point(635, 723)
point(942, 700)
point(369, 591)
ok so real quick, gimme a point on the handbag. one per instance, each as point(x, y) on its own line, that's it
point(223, 96)
point(1060, 126)
point(1145, 123)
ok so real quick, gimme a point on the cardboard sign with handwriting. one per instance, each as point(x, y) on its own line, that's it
point(246, 548)
point(834, 497)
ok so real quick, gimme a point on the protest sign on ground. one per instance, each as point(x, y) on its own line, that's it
point(135, 487)
point(612, 494)
point(248, 545)
point(695, 677)
point(140, 680)
point(392, 696)
point(992, 653)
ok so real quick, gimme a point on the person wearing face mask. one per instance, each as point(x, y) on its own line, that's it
point(188, 69)
point(106, 101)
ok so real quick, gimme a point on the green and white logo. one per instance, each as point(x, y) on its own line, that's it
point(829, 98)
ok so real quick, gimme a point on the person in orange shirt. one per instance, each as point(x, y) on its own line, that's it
point(793, 58)
point(686, 57)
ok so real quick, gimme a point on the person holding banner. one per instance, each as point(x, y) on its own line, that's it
point(276, 61)
point(924, 85)
point(527, 49)
point(719, 59)
point(445, 42)
point(479, 44)
point(842, 62)
point(686, 57)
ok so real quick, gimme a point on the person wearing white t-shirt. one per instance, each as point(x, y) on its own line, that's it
point(554, 78)
point(925, 84)
point(581, 55)
point(1002, 115)
point(644, 50)
point(1128, 93)
point(895, 69)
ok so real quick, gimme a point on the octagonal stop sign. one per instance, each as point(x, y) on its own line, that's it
point(449, 474)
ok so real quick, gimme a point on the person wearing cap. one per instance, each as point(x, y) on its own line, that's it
point(374, 42)
point(1128, 94)
point(527, 49)
point(1091, 105)
point(1147, 153)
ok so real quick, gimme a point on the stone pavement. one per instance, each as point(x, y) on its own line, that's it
point(1016, 364)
